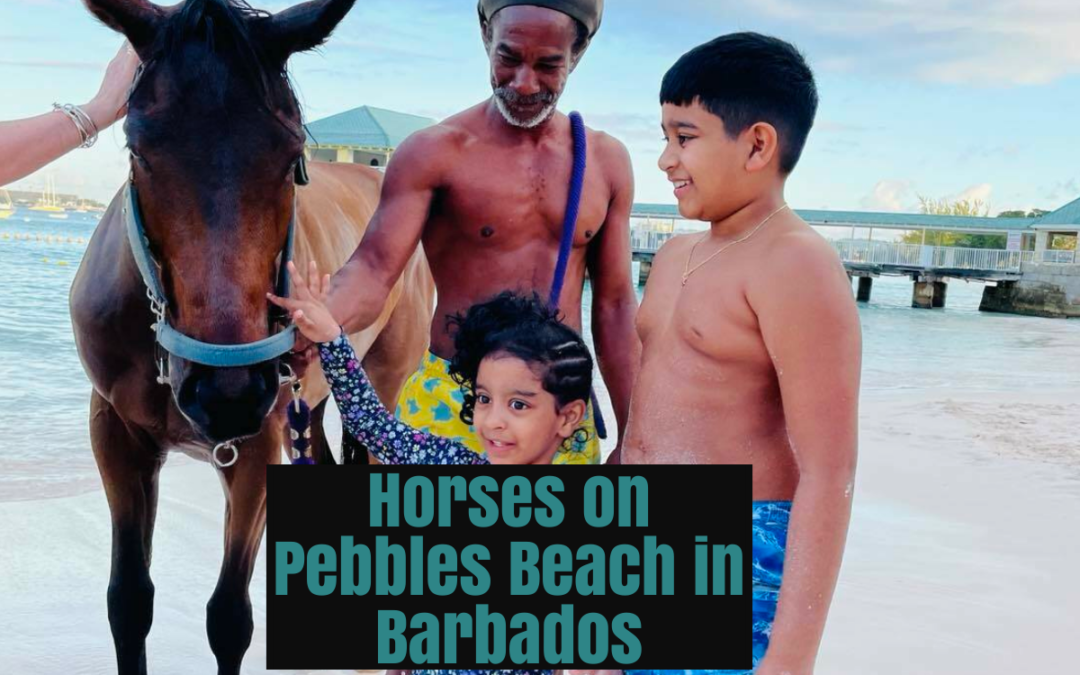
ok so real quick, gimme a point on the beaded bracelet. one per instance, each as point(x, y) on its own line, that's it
point(88, 131)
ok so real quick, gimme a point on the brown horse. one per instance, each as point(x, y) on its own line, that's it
point(215, 137)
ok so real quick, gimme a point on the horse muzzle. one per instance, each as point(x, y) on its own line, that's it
point(226, 404)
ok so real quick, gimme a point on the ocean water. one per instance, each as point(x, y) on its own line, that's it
point(44, 393)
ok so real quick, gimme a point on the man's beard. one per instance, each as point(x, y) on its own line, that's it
point(506, 97)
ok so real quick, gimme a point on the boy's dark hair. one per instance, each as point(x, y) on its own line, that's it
point(522, 326)
point(745, 78)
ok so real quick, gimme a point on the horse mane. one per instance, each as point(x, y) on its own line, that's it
point(226, 29)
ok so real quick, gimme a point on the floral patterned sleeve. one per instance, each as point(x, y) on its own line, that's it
point(365, 417)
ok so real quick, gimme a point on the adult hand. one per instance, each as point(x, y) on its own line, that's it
point(110, 103)
point(307, 305)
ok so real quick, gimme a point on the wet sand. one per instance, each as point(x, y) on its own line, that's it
point(962, 555)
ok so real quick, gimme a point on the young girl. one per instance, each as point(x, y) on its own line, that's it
point(525, 379)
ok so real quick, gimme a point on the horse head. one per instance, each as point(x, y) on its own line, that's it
point(215, 136)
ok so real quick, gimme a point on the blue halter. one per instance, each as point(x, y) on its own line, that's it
point(183, 346)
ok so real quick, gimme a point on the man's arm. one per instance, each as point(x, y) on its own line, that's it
point(618, 349)
point(360, 288)
point(810, 325)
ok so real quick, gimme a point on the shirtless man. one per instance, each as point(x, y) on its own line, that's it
point(751, 339)
point(485, 191)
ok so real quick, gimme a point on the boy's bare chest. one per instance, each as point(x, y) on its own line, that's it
point(708, 315)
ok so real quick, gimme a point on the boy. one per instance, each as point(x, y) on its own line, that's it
point(751, 340)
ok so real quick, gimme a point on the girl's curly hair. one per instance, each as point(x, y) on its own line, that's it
point(525, 327)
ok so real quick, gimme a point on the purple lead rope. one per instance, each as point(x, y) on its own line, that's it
point(573, 202)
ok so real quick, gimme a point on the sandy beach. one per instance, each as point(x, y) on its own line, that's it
point(961, 554)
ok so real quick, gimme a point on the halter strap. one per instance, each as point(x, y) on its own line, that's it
point(183, 346)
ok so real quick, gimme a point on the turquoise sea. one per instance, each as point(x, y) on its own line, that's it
point(44, 394)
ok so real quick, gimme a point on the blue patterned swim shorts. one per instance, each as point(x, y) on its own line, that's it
point(770, 525)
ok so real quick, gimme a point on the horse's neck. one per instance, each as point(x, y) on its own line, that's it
point(333, 214)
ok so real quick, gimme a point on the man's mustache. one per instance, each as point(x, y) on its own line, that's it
point(513, 98)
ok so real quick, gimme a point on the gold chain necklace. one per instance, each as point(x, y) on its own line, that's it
point(687, 271)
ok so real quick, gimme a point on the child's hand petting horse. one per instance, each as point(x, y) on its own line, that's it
point(307, 305)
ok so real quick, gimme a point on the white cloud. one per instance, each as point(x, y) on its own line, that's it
point(889, 195)
point(981, 192)
point(992, 42)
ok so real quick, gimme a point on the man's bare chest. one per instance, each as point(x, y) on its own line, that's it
point(518, 205)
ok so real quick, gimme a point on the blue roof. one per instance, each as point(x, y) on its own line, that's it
point(895, 221)
point(366, 127)
point(1066, 215)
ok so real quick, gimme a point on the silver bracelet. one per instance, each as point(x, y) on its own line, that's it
point(88, 131)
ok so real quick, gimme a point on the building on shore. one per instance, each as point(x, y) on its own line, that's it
point(364, 135)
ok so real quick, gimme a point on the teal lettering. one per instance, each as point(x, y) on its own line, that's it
point(593, 653)
point(553, 515)
point(558, 561)
point(525, 646)
point(469, 560)
point(490, 636)
point(384, 569)
point(321, 558)
point(486, 513)
point(380, 498)
point(620, 626)
point(424, 646)
point(524, 577)
point(288, 559)
point(627, 487)
point(355, 564)
point(590, 576)
point(419, 502)
point(391, 633)
point(652, 552)
point(516, 490)
point(633, 558)
point(599, 501)
point(450, 487)
point(441, 559)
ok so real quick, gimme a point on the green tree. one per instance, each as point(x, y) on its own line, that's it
point(1033, 213)
point(959, 207)
point(1063, 242)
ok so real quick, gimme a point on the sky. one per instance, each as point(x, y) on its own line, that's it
point(939, 98)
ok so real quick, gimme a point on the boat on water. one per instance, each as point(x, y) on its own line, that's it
point(7, 208)
point(49, 204)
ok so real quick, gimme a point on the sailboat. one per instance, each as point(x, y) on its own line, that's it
point(49, 203)
point(6, 207)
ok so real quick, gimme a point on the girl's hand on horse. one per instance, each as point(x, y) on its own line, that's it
point(308, 305)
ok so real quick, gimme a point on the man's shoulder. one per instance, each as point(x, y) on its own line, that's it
point(443, 137)
point(607, 147)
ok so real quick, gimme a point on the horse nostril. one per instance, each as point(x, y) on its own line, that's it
point(228, 403)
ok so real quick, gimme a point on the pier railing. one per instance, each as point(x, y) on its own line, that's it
point(931, 257)
point(1058, 257)
point(874, 252)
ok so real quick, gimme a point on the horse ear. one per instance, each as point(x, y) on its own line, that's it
point(304, 26)
point(136, 19)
